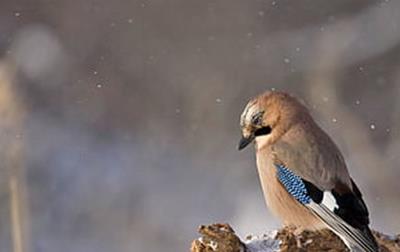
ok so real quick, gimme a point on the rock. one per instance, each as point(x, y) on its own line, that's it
point(222, 238)
point(217, 237)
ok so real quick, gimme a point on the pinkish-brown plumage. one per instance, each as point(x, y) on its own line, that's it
point(285, 133)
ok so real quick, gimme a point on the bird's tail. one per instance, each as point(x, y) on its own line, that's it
point(357, 240)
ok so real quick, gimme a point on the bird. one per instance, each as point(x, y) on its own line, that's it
point(303, 174)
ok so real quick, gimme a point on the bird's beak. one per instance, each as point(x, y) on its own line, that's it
point(245, 141)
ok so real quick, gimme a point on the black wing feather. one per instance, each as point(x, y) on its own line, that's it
point(352, 208)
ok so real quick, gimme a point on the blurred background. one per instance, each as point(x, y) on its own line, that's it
point(120, 119)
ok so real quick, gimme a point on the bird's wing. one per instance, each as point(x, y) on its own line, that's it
point(316, 159)
point(346, 214)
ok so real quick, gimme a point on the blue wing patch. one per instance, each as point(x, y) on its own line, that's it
point(293, 184)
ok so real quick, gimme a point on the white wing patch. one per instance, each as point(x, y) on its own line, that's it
point(329, 201)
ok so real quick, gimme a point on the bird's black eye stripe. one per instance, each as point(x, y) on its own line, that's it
point(263, 131)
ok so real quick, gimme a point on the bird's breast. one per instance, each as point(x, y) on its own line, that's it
point(278, 200)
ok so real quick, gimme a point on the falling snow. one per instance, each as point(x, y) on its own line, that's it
point(176, 48)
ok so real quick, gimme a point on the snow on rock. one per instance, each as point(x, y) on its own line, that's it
point(264, 243)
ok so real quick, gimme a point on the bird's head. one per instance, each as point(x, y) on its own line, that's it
point(267, 116)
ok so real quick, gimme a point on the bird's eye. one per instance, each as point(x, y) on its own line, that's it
point(257, 118)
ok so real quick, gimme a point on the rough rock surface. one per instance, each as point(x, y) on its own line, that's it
point(222, 238)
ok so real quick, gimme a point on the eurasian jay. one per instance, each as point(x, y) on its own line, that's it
point(303, 174)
